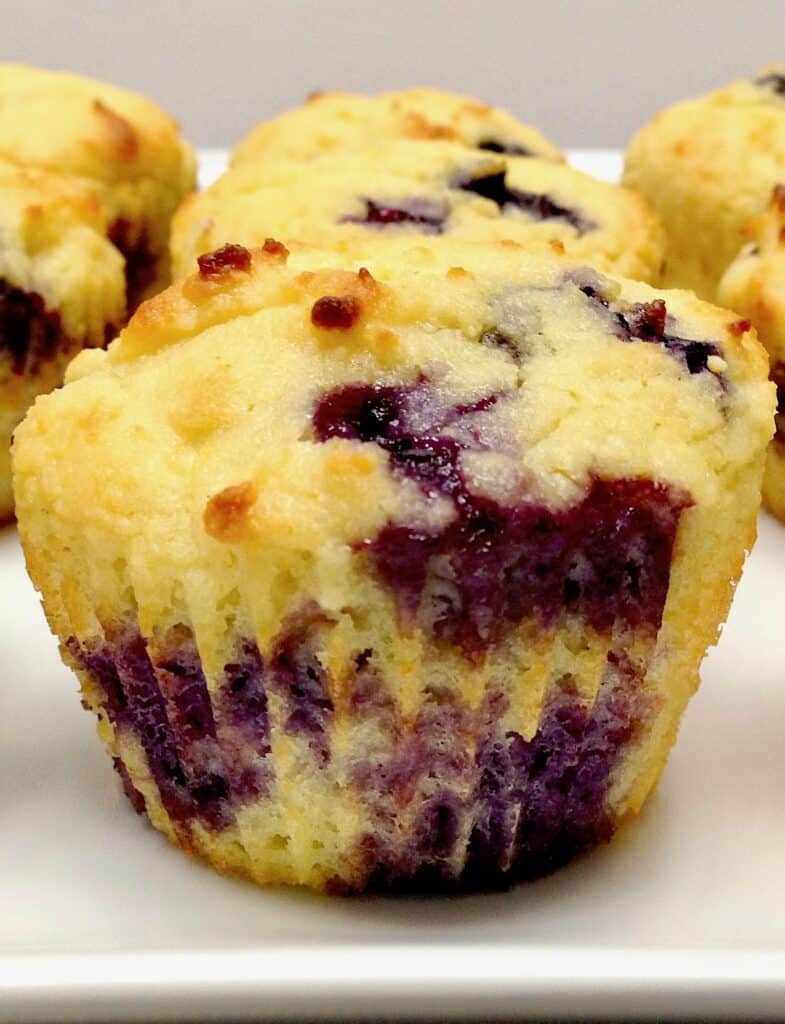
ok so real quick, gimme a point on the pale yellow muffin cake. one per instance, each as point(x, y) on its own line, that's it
point(61, 288)
point(358, 201)
point(117, 144)
point(707, 167)
point(347, 121)
point(754, 284)
point(401, 573)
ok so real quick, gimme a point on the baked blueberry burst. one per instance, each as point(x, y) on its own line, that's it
point(406, 571)
point(539, 206)
point(429, 215)
point(29, 333)
point(425, 215)
point(774, 81)
point(650, 322)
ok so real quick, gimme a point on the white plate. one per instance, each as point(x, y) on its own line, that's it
point(681, 915)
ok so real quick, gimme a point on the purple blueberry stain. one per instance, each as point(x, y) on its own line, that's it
point(650, 322)
point(29, 333)
point(502, 763)
point(532, 805)
point(132, 793)
point(493, 565)
point(184, 688)
point(206, 755)
point(425, 215)
point(437, 827)
point(494, 338)
point(135, 704)
point(528, 806)
point(493, 185)
point(298, 675)
point(175, 731)
point(412, 423)
point(428, 768)
point(543, 801)
point(553, 761)
point(243, 723)
point(141, 264)
point(424, 765)
point(369, 697)
point(507, 148)
point(434, 747)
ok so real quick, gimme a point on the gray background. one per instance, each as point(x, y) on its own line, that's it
point(588, 73)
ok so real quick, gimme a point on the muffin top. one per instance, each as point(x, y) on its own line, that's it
point(443, 192)
point(748, 112)
point(53, 244)
point(286, 406)
point(341, 120)
point(76, 126)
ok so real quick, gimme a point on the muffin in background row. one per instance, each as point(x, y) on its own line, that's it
point(90, 176)
point(398, 192)
point(711, 167)
point(117, 145)
point(754, 284)
point(707, 167)
point(61, 289)
point(397, 573)
point(347, 122)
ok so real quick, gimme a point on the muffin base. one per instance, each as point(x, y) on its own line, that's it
point(451, 799)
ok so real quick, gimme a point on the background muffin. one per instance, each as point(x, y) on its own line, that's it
point(117, 144)
point(62, 287)
point(395, 575)
point(754, 284)
point(707, 167)
point(355, 201)
point(347, 121)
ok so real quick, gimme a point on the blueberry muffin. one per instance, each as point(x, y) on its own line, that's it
point(403, 191)
point(401, 574)
point(116, 144)
point(754, 285)
point(62, 288)
point(345, 121)
point(707, 167)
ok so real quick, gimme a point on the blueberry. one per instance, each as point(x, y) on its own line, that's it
point(493, 565)
point(29, 333)
point(509, 148)
point(774, 81)
point(538, 206)
point(427, 215)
